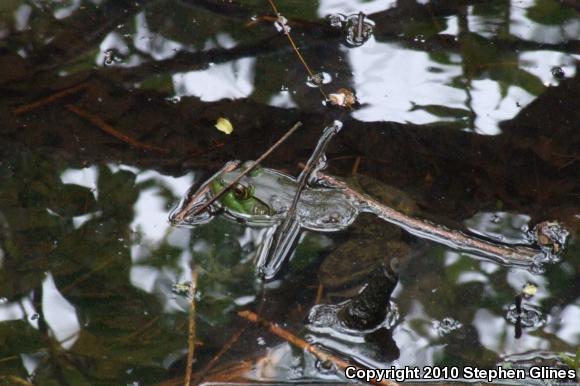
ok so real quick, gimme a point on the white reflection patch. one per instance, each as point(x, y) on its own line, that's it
point(22, 16)
point(327, 7)
point(151, 209)
point(86, 177)
point(527, 29)
point(469, 277)
point(496, 334)
point(59, 314)
point(491, 108)
point(144, 277)
point(152, 43)
point(570, 331)
point(388, 80)
point(64, 12)
point(540, 64)
point(226, 80)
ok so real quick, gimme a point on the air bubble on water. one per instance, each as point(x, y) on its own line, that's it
point(324, 366)
point(3, 300)
point(336, 20)
point(529, 317)
point(558, 72)
point(110, 57)
point(496, 219)
point(537, 268)
point(446, 325)
point(281, 24)
point(419, 38)
point(174, 99)
point(283, 88)
point(261, 341)
point(318, 79)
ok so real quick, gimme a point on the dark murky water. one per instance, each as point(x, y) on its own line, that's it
point(471, 110)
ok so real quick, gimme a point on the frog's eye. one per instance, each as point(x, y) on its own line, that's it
point(241, 192)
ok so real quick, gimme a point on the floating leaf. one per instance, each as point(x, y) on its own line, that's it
point(342, 98)
point(529, 290)
point(224, 124)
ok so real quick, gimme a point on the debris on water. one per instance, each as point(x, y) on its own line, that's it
point(324, 316)
point(446, 325)
point(281, 24)
point(537, 267)
point(324, 366)
point(110, 57)
point(558, 72)
point(336, 20)
point(358, 27)
point(526, 315)
point(34, 316)
point(551, 237)
point(224, 125)
point(184, 289)
point(342, 98)
point(419, 38)
point(529, 290)
point(318, 79)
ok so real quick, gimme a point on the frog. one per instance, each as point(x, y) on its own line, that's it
point(271, 198)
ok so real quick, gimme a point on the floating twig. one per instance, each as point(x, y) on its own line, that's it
point(301, 343)
point(104, 126)
point(182, 213)
point(191, 330)
point(49, 99)
point(226, 347)
point(439, 233)
point(286, 31)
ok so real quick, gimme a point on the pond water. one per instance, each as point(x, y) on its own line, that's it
point(469, 111)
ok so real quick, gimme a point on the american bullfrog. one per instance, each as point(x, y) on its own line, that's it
point(265, 197)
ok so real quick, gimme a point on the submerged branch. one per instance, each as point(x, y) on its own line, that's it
point(298, 342)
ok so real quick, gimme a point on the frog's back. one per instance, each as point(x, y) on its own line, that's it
point(326, 210)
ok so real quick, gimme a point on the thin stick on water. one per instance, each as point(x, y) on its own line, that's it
point(295, 49)
point(191, 330)
point(424, 229)
point(314, 350)
point(50, 99)
point(249, 169)
point(104, 126)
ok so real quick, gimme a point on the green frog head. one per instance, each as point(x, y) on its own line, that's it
point(262, 197)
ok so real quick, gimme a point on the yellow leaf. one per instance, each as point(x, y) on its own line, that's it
point(224, 124)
